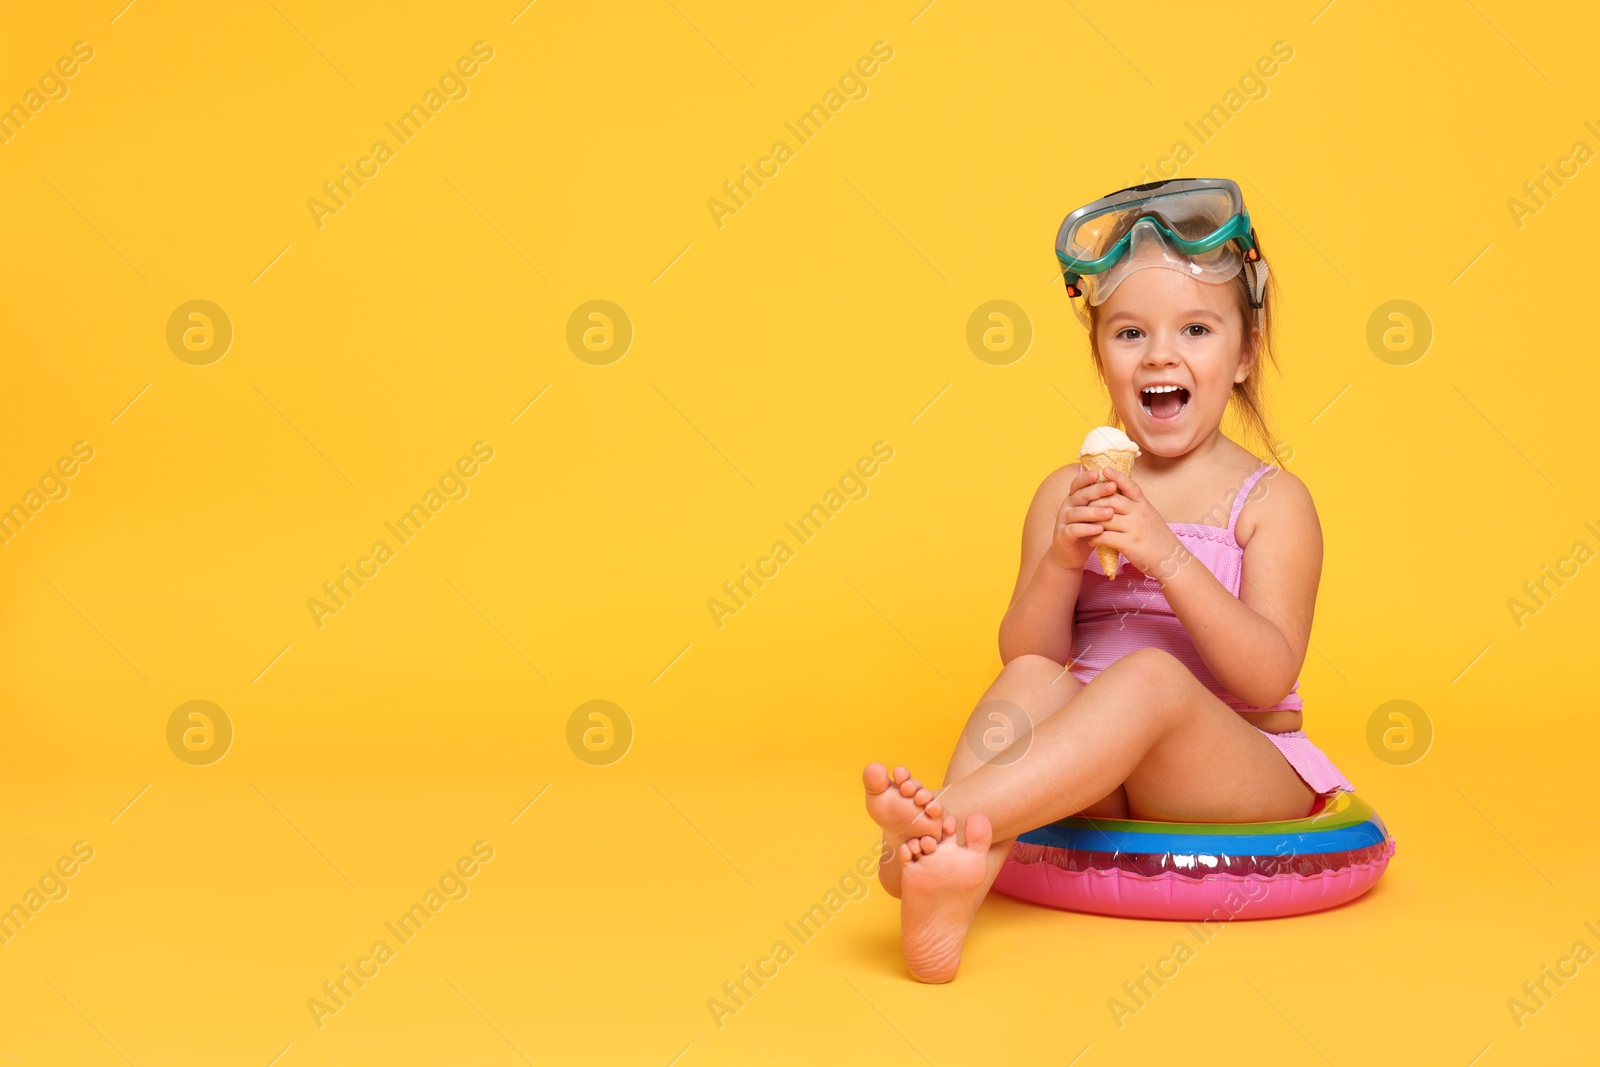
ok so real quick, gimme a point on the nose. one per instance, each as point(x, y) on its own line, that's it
point(1160, 352)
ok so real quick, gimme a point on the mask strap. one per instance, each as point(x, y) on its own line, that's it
point(1257, 269)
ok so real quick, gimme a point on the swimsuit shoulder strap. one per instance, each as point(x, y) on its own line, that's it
point(1244, 491)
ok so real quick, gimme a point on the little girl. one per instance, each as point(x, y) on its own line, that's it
point(1169, 692)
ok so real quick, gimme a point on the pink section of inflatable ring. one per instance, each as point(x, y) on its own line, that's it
point(1180, 897)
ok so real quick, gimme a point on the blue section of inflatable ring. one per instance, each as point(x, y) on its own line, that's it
point(1088, 839)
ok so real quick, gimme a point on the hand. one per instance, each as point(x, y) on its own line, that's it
point(1134, 528)
point(1079, 520)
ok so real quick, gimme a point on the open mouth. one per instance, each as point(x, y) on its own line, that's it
point(1164, 402)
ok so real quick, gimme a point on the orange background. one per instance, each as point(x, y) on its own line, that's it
point(767, 356)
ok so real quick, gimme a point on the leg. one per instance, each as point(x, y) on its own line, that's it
point(1041, 687)
point(1034, 687)
point(1148, 724)
point(1145, 722)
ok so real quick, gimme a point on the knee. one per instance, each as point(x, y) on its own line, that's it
point(1032, 665)
point(1035, 681)
point(1156, 665)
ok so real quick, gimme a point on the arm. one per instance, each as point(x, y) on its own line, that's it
point(1039, 619)
point(1255, 644)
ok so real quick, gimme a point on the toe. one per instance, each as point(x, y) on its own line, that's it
point(876, 777)
point(980, 835)
point(923, 796)
point(909, 787)
point(933, 809)
point(928, 844)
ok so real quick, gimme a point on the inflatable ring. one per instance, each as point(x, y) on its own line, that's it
point(1166, 870)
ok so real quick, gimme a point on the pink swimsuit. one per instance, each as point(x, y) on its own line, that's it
point(1114, 617)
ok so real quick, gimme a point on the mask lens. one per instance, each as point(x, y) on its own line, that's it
point(1148, 247)
point(1195, 214)
point(1191, 215)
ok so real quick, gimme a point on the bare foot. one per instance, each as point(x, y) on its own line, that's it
point(909, 815)
point(942, 890)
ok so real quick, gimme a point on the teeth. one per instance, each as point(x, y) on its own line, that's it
point(1146, 394)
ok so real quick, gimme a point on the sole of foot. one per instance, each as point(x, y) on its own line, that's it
point(940, 897)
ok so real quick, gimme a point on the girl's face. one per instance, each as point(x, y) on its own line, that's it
point(1161, 328)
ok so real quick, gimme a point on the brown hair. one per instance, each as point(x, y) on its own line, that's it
point(1247, 396)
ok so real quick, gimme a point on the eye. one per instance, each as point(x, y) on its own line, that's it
point(1197, 326)
point(1121, 334)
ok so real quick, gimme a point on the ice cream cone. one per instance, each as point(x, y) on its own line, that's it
point(1122, 460)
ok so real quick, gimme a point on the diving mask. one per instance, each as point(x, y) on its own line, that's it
point(1196, 226)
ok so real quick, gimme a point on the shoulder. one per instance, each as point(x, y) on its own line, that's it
point(1061, 478)
point(1056, 486)
point(1281, 501)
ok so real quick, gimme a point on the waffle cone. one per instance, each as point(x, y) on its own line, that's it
point(1122, 460)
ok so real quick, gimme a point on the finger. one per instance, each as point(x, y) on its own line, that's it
point(1127, 486)
point(1100, 512)
point(1089, 494)
point(1109, 539)
point(1082, 530)
point(1115, 503)
point(1091, 514)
